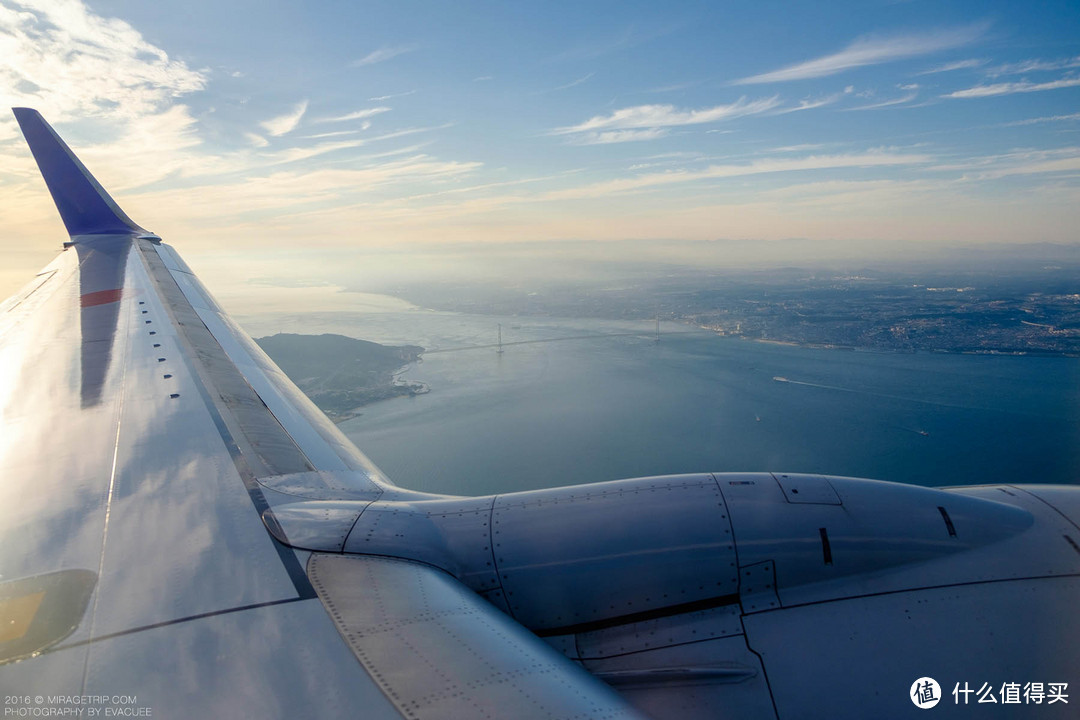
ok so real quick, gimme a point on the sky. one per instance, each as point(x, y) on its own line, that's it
point(326, 143)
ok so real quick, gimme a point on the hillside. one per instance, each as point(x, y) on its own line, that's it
point(340, 373)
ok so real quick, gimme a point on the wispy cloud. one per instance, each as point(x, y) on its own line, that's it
point(257, 140)
point(575, 83)
point(662, 116)
point(619, 136)
point(1044, 119)
point(958, 65)
point(848, 194)
point(873, 158)
point(284, 124)
point(801, 147)
point(887, 103)
point(303, 153)
point(1010, 88)
point(152, 147)
point(492, 185)
point(380, 98)
point(411, 131)
point(872, 51)
point(675, 87)
point(808, 104)
point(358, 115)
point(383, 54)
point(1019, 162)
point(1027, 66)
point(617, 40)
point(1070, 164)
point(336, 133)
point(366, 126)
point(290, 190)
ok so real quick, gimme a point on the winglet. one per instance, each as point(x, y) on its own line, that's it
point(84, 206)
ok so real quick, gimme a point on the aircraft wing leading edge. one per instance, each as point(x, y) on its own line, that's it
point(143, 436)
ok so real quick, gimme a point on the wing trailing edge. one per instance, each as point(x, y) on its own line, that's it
point(85, 207)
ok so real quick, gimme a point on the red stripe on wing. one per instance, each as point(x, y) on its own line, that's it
point(101, 297)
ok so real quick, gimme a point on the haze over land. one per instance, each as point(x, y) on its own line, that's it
point(1011, 300)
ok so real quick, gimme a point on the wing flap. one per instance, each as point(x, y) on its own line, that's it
point(438, 650)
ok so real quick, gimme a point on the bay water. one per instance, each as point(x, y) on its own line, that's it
point(572, 400)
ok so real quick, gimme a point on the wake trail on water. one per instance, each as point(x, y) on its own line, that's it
point(592, 336)
point(903, 398)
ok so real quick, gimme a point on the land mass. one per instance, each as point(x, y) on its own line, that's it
point(341, 373)
point(1022, 309)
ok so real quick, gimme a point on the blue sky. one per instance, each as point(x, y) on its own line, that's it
point(320, 135)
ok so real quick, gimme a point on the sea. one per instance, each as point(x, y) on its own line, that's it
point(576, 400)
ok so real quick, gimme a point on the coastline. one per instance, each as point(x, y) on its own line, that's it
point(415, 387)
point(991, 352)
point(399, 386)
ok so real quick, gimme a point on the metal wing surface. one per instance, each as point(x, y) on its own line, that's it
point(145, 438)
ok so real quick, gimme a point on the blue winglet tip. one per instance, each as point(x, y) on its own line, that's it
point(84, 206)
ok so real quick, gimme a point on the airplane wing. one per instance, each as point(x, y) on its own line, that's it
point(142, 434)
point(182, 533)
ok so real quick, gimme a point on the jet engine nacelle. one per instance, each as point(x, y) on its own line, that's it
point(573, 559)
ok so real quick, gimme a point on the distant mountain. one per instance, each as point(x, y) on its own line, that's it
point(341, 373)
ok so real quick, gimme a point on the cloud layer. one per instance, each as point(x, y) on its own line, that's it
point(546, 149)
point(57, 56)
